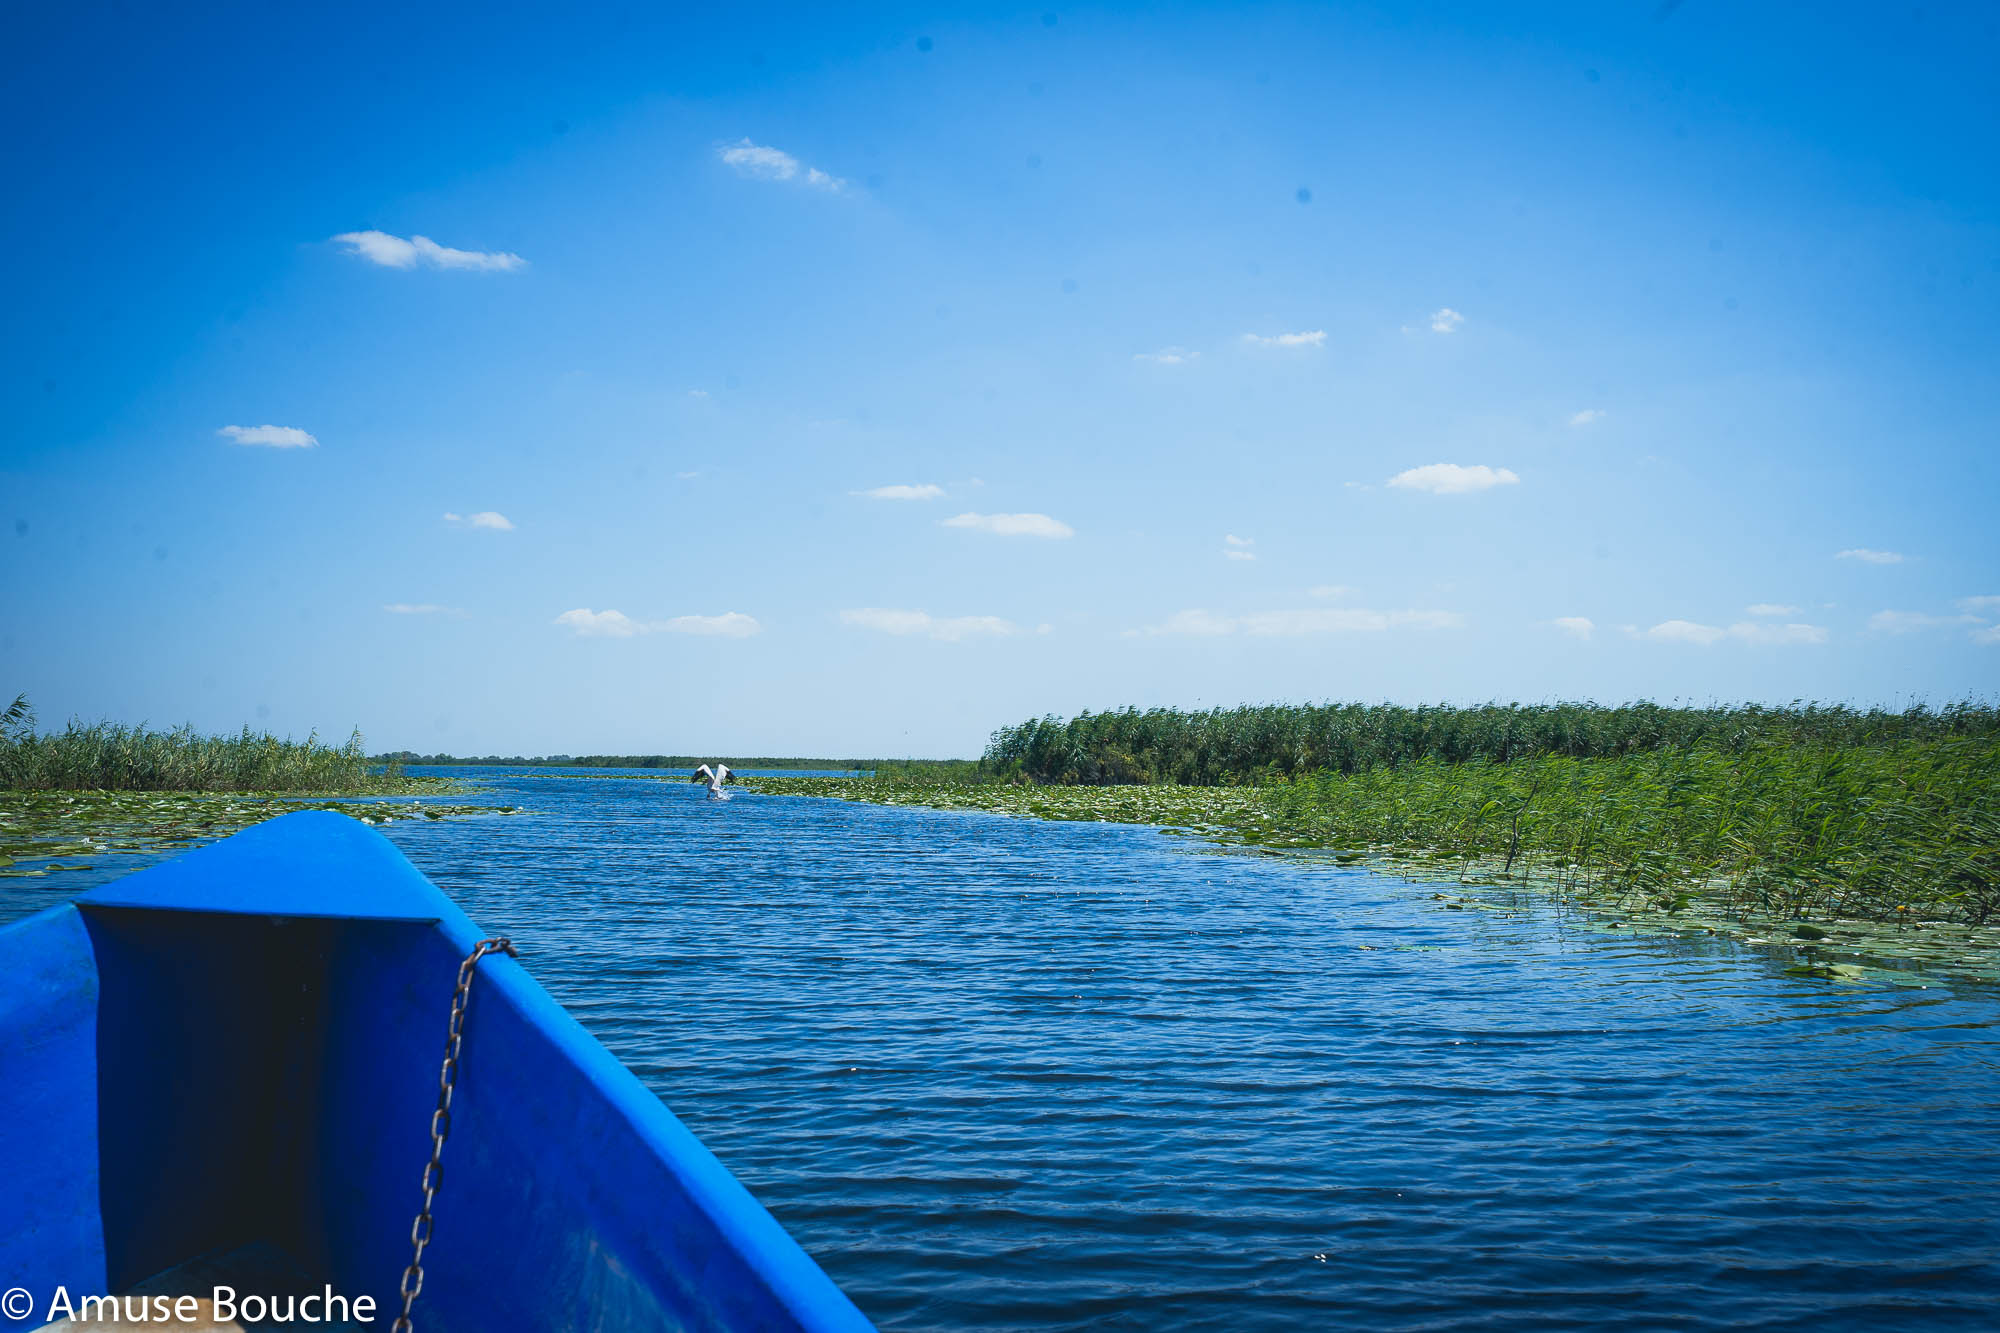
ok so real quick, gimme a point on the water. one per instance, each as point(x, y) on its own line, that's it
point(1000, 1074)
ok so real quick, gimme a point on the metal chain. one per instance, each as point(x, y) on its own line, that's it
point(420, 1230)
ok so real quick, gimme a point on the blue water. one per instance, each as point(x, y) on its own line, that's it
point(1001, 1074)
point(995, 1073)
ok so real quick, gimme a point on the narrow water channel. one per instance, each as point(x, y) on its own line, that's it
point(1001, 1074)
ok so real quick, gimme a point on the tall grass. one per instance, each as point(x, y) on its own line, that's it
point(1903, 831)
point(1804, 809)
point(1260, 743)
point(1791, 830)
point(106, 756)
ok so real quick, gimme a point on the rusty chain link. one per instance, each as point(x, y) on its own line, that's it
point(420, 1230)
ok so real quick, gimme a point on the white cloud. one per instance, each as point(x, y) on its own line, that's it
point(1235, 540)
point(760, 162)
point(1167, 356)
point(1767, 633)
point(1194, 622)
point(1318, 620)
point(1687, 631)
point(590, 624)
point(1862, 553)
point(751, 159)
point(1011, 525)
point(422, 609)
point(951, 629)
point(274, 437)
point(1446, 320)
point(1907, 622)
point(1311, 338)
point(600, 624)
point(1770, 609)
point(1234, 547)
point(1329, 590)
point(485, 518)
point(1453, 478)
point(1991, 634)
point(697, 393)
point(730, 625)
point(1580, 627)
point(379, 247)
point(1586, 417)
point(1426, 620)
point(925, 491)
point(1979, 603)
point(1229, 554)
point(1322, 620)
point(443, 256)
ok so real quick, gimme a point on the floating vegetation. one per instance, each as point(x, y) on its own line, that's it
point(102, 790)
point(1897, 841)
point(42, 832)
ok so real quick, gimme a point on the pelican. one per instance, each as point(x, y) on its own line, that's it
point(714, 777)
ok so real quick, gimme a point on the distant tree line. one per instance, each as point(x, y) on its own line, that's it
point(929, 767)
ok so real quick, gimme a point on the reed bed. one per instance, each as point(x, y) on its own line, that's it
point(1261, 743)
point(1908, 832)
point(1790, 813)
point(69, 797)
point(1909, 829)
point(106, 756)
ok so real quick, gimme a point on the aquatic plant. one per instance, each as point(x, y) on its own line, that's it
point(45, 832)
point(1262, 742)
point(112, 757)
point(1903, 830)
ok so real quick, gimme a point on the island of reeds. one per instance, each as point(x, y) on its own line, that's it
point(91, 790)
point(1799, 813)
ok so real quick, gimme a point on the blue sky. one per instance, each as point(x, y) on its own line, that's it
point(895, 377)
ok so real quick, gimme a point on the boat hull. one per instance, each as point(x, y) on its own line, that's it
point(242, 1047)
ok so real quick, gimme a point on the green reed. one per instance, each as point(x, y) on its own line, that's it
point(1261, 743)
point(1902, 830)
point(1790, 831)
point(107, 756)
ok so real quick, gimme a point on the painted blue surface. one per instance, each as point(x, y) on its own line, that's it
point(242, 1045)
point(48, 1103)
point(314, 863)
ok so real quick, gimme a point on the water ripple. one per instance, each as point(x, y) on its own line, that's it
point(1001, 1074)
point(1009, 1075)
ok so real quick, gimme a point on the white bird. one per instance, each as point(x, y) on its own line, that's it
point(715, 777)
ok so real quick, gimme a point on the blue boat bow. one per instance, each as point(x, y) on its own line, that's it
point(240, 1047)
